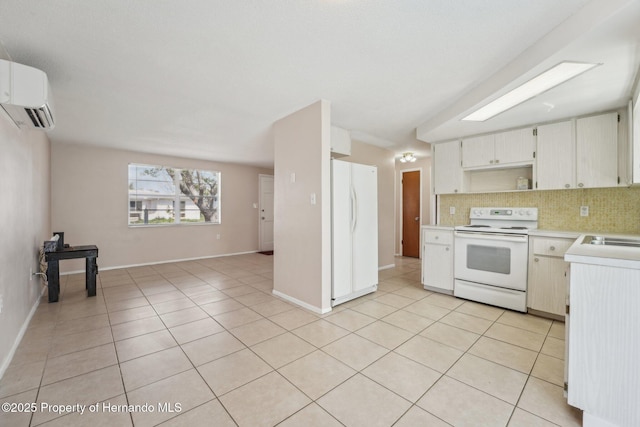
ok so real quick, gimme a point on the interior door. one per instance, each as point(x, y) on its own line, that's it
point(411, 214)
point(266, 212)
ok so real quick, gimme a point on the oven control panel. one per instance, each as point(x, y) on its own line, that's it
point(529, 214)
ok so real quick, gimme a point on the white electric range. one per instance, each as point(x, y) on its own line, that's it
point(491, 256)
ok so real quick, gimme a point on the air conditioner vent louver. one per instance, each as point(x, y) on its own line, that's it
point(40, 117)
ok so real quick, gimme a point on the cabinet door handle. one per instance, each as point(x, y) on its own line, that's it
point(490, 161)
point(497, 161)
point(567, 186)
point(552, 248)
point(436, 237)
point(536, 259)
point(447, 249)
point(581, 185)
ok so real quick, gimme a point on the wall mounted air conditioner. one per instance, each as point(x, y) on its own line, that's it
point(25, 96)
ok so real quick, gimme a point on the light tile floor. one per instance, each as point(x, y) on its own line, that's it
point(206, 343)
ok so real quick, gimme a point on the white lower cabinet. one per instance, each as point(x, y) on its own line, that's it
point(604, 343)
point(547, 281)
point(437, 259)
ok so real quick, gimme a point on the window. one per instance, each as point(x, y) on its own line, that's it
point(156, 191)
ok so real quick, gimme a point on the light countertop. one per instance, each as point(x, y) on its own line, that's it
point(555, 233)
point(611, 256)
point(438, 227)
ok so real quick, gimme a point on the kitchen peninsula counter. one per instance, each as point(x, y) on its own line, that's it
point(604, 255)
point(603, 338)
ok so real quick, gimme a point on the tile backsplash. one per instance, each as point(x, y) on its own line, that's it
point(611, 210)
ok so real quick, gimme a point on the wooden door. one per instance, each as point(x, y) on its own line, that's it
point(411, 214)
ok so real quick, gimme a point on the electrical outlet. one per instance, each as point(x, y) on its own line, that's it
point(452, 210)
point(584, 210)
point(218, 236)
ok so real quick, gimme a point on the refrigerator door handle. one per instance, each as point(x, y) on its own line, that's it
point(354, 209)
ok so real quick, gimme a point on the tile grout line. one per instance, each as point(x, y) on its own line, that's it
point(291, 330)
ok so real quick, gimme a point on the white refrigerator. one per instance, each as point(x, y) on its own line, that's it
point(354, 223)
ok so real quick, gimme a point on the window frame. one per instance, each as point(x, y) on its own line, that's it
point(172, 199)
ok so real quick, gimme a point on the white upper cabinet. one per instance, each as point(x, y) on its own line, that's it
point(478, 151)
point(589, 152)
point(597, 151)
point(556, 156)
point(447, 175)
point(515, 146)
point(340, 142)
point(504, 148)
point(581, 153)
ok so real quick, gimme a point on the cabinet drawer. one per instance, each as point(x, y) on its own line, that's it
point(436, 236)
point(551, 246)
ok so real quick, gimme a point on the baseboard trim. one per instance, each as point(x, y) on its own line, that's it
point(301, 303)
point(160, 262)
point(23, 330)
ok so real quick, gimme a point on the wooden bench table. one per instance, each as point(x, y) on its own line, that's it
point(89, 252)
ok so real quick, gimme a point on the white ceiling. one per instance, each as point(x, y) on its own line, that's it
point(207, 79)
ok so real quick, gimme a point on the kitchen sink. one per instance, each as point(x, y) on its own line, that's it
point(611, 241)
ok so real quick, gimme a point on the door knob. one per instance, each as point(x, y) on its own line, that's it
point(262, 217)
point(417, 218)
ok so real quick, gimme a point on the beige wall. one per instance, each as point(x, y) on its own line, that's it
point(611, 210)
point(424, 166)
point(383, 159)
point(90, 200)
point(302, 231)
point(25, 225)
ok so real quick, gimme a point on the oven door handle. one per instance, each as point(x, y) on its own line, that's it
point(517, 238)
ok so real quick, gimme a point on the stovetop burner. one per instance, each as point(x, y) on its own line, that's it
point(501, 220)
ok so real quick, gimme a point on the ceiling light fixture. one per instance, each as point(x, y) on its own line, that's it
point(561, 73)
point(407, 158)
